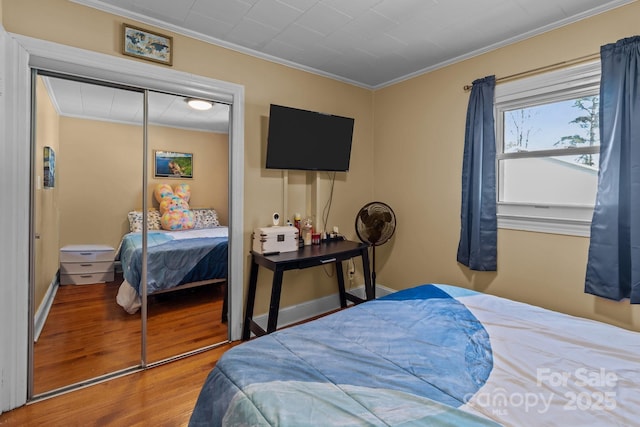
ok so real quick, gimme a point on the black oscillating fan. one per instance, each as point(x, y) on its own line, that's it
point(375, 224)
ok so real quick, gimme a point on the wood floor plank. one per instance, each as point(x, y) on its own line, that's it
point(87, 334)
point(161, 396)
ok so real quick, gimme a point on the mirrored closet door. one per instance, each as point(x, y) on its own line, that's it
point(100, 303)
point(88, 155)
point(188, 157)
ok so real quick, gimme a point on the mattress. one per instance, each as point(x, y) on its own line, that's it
point(174, 258)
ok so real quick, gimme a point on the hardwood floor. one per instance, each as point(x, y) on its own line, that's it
point(161, 396)
point(87, 334)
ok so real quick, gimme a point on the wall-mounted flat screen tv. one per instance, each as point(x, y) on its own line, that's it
point(308, 140)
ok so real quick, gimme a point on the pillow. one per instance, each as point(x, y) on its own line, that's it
point(205, 218)
point(177, 219)
point(135, 220)
point(174, 206)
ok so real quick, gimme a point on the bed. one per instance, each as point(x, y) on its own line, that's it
point(430, 355)
point(175, 260)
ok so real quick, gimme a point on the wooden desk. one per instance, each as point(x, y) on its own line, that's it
point(308, 256)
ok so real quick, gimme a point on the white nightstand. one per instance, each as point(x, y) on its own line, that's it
point(86, 264)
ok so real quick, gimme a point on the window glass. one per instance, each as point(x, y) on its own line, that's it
point(547, 132)
point(557, 180)
point(570, 123)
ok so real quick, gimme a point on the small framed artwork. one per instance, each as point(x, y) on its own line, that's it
point(170, 164)
point(146, 44)
point(49, 180)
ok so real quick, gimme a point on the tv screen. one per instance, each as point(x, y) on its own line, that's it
point(308, 140)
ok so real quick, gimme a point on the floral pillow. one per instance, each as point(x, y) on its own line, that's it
point(205, 218)
point(135, 220)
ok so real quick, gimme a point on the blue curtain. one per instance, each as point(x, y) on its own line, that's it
point(613, 266)
point(479, 227)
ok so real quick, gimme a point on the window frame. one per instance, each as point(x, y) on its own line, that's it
point(553, 86)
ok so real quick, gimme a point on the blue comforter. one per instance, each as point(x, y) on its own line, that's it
point(410, 358)
point(432, 355)
point(174, 259)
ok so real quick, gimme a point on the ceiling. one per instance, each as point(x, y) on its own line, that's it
point(92, 101)
point(370, 43)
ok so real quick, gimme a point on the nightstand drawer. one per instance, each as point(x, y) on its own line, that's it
point(86, 279)
point(86, 264)
point(86, 253)
point(86, 267)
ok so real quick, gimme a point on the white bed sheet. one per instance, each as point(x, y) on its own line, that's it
point(544, 375)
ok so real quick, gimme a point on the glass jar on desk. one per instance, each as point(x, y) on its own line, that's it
point(307, 231)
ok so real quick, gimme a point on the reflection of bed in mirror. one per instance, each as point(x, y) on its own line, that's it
point(175, 259)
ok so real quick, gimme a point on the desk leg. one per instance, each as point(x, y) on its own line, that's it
point(251, 297)
point(369, 287)
point(340, 274)
point(274, 306)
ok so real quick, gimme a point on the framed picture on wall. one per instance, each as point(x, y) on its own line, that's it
point(49, 172)
point(147, 45)
point(171, 164)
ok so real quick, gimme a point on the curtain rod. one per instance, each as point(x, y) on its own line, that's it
point(574, 61)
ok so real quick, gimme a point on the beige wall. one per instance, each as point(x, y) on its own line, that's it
point(68, 23)
point(210, 183)
point(100, 170)
point(46, 200)
point(419, 139)
point(413, 163)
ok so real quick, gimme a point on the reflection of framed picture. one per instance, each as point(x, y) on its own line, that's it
point(169, 164)
point(147, 45)
point(49, 180)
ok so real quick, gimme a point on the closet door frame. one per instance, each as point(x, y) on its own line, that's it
point(63, 59)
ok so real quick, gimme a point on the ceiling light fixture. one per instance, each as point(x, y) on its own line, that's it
point(199, 104)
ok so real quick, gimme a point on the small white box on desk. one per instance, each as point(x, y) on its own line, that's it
point(275, 239)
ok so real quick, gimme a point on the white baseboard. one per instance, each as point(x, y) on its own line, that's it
point(380, 291)
point(43, 311)
point(299, 312)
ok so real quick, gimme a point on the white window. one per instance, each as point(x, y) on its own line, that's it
point(548, 148)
